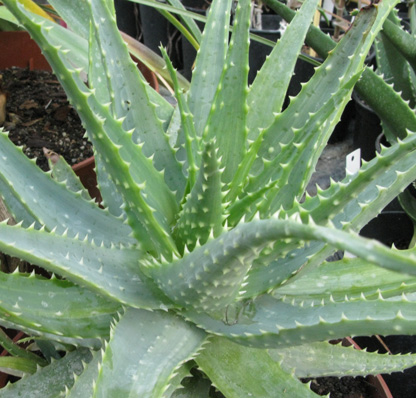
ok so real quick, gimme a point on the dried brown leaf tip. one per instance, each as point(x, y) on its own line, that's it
point(52, 156)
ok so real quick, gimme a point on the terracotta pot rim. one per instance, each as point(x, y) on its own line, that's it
point(84, 163)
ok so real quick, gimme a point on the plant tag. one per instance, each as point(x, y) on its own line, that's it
point(328, 6)
point(353, 162)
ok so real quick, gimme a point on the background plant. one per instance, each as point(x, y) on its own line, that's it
point(207, 253)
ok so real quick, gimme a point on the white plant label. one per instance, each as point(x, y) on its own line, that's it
point(353, 162)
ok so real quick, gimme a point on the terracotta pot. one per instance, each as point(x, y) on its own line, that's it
point(19, 50)
point(85, 170)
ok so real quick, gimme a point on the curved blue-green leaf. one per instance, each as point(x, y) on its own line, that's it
point(337, 72)
point(187, 139)
point(149, 203)
point(63, 172)
point(266, 96)
point(214, 275)
point(75, 14)
point(323, 359)
point(266, 322)
point(349, 204)
point(52, 380)
point(209, 63)
point(129, 97)
point(84, 384)
point(349, 277)
point(392, 65)
point(16, 351)
point(53, 307)
point(112, 272)
point(28, 188)
point(162, 342)
point(16, 366)
point(201, 214)
point(227, 120)
point(239, 371)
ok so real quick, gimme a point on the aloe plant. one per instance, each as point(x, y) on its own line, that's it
point(205, 253)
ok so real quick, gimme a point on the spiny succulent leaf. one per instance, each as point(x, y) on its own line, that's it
point(17, 366)
point(239, 371)
point(75, 46)
point(193, 387)
point(327, 80)
point(187, 139)
point(63, 172)
point(112, 200)
point(237, 283)
point(322, 359)
point(97, 70)
point(349, 204)
point(381, 96)
point(372, 89)
point(50, 381)
point(402, 40)
point(309, 142)
point(265, 99)
point(277, 265)
point(16, 209)
point(33, 188)
point(237, 210)
point(84, 384)
point(176, 383)
point(113, 272)
point(266, 322)
point(227, 119)
point(53, 307)
point(16, 351)
point(210, 277)
point(114, 143)
point(209, 62)
point(374, 186)
point(76, 14)
point(130, 99)
point(348, 277)
point(165, 342)
point(394, 68)
point(202, 212)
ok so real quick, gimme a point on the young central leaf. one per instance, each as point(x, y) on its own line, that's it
point(202, 212)
point(227, 120)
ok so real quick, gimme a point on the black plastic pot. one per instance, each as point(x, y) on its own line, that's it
point(126, 17)
point(390, 227)
point(154, 28)
point(197, 4)
point(367, 128)
point(188, 51)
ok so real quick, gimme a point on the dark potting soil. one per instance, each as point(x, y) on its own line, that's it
point(344, 387)
point(39, 115)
